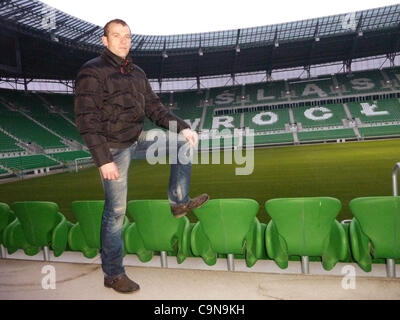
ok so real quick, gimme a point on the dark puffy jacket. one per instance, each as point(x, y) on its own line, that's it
point(112, 99)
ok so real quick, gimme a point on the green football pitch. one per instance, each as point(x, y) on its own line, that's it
point(341, 170)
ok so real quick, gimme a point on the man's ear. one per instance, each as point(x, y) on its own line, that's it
point(104, 40)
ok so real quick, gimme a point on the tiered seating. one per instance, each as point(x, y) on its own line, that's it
point(266, 92)
point(231, 119)
point(188, 105)
point(28, 131)
point(2, 171)
point(70, 155)
point(55, 122)
point(37, 110)
point(379, 131)
point(28, 162)
point(394, 76)
point(8, 144)
point(322, 88)
point(271, 138)
point(218, 143)
point(326, 134)
point(362, 82)
point(328, 115)
point(226, 96)
point(63, 101)
point(276, 119)
point(376, 111)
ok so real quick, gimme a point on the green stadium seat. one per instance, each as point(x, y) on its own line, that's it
point(156, 230)
point(374, 232)
point(28, 162)
point(38, 224)
point(7, 216)
point(325, 135)
point(228, 226)
point(305, 227)
point(84, 236)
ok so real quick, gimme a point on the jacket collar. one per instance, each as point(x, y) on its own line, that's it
point(125, 65)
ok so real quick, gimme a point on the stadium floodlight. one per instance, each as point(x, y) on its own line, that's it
point(164, 54)
point(237, 48)
point(276, 43)
point(201, 52)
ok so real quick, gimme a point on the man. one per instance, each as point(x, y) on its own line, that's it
point(112, 99)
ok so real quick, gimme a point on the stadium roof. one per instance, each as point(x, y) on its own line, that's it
point(52, 44)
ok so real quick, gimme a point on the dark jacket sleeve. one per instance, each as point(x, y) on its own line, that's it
point(157, 113)
point(87, 105)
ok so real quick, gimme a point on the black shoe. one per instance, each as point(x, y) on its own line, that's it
point(121, 284)
point(181, 209)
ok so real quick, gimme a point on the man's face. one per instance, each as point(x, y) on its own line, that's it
point(118, 39)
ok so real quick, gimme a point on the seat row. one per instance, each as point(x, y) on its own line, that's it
point(303, 227)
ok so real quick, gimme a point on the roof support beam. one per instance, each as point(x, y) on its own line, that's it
point(164, 56)
point(87, 33)
point(357, 35)
point(235, 54)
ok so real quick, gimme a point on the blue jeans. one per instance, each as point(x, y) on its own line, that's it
point(115, 192)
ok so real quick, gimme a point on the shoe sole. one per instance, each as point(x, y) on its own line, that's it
point(180, 215)
point(184, 213)
point(125, 292)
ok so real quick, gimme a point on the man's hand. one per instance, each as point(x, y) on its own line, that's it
point(191, 136)
point(109, 171)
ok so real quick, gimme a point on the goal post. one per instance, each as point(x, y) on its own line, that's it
point(80, 163)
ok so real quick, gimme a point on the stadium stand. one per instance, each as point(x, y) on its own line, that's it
point(378, 131)
point(320, 116)
point(8, 144)
point(362, 82)
point(28, 162)
point(272, 139)
point(325, 135)
point(268, 120)
point(376, 111)
point(27, 130)
point(64, 102)
point(268, 92)
point(305, 89)
point(69, 155)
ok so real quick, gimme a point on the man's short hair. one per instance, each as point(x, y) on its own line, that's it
point(106, 27)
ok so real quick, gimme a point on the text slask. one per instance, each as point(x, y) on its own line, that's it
point(311, 90)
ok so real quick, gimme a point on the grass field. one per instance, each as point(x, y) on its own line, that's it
point(344, 171)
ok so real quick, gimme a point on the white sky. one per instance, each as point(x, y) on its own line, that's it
point(166, 17)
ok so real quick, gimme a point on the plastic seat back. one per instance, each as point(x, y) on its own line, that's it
point(89, 214)
point(379, 220)
point(37, 218)
point(6, 217)
point(156, 225)
point(304, 223)
point(226, 222)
